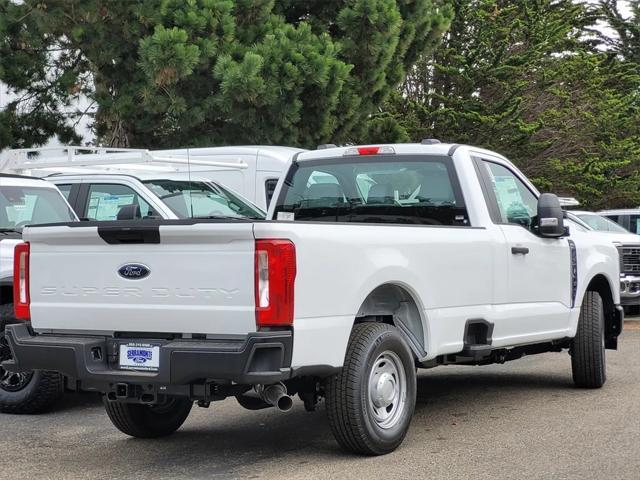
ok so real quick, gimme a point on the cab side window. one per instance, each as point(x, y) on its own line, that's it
point(106, 200)
point(516, 203)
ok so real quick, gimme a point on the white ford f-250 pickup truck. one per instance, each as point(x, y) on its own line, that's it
point(376, 260)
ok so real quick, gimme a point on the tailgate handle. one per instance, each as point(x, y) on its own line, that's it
point(119, 235)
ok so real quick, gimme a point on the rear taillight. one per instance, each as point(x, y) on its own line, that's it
point(21, 281)
point(275, 274)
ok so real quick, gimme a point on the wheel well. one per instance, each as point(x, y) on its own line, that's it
point(393, 304)
point(612, 324)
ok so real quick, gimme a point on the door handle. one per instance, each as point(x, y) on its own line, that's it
point(519, 250)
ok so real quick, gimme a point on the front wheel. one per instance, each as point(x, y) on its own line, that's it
point(148, 421)
point(370, 403)
point(588, 347)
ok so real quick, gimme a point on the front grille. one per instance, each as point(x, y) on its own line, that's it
point(630, 257)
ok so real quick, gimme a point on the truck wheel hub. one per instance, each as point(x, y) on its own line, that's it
point(387, 390)
point(384, 390)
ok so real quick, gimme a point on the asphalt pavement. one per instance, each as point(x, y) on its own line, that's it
point(521, 420)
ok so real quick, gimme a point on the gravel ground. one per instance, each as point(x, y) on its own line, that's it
point(521, 420)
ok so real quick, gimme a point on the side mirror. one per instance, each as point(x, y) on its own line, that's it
point(550, 216)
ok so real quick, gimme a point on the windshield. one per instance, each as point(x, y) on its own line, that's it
point(576, 222)
point(201, 200)
point(407, 189)
point(21, 206)
point(601, 224)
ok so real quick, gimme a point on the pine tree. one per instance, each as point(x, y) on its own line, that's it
point(626, 41)
point(588, 142)
point(205, 72)
point(526, 79)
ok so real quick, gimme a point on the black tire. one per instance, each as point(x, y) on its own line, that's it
point(588, 363)
point(149, 421)
point(25, 393)
point(348, 397)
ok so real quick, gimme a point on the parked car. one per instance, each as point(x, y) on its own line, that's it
point(374, 260)
point(627, 218)
point(251, 171)
point(600, 222)
point(628, 245)
point(24, 201)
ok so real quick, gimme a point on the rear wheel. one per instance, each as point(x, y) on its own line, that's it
point(370, 403)
point(25, 392)
point(588, 348)
point(149, 421)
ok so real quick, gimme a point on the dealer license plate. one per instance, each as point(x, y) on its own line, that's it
point(139, 356)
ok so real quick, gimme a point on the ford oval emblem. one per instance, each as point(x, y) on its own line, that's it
point(134, 271)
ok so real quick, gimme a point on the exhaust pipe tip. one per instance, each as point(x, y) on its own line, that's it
point(276, 395)
point(285, 403)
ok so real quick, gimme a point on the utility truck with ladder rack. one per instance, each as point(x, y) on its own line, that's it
point(250, 171)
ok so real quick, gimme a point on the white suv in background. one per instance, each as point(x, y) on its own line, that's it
point(628, 247)
point(24, 201)
point(629, 218)
point(107, 197)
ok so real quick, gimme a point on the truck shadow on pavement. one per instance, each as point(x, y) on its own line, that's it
point(227, 439)
point(476, 382)
point(75, 400)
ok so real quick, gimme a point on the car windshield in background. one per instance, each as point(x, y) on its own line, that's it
point(575, 222)
point(202, 200)
point(21, 206)
point(407, 189)
point(601, 224)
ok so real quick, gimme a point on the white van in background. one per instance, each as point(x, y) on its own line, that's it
point(257, 182)
point(251, 171)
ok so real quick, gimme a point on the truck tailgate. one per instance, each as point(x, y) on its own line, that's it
point(200, 278)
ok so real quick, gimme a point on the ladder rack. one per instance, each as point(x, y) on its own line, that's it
point(25, 160)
